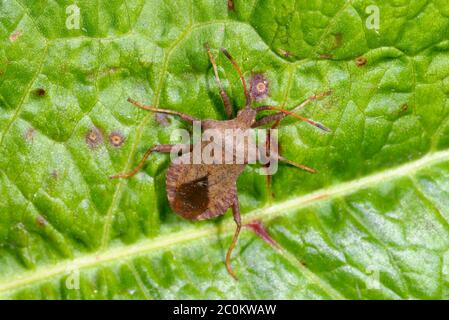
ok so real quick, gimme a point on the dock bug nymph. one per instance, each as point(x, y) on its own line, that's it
point(204, 191)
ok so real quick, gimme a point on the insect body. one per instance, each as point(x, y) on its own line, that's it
point(204, 191)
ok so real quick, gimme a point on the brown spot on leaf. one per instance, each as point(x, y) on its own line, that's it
point(326, 56)
point(360, 61)
point(285, 53)
point(404, 107)
point(116, 139)
point(338, 40)
point(259, 86)
point(15, 35)
point(29, 134)
point(162, 119)
point(54, 174)
point(41, 222)
point(231, 6)
point(40, 92)
point(94, 137)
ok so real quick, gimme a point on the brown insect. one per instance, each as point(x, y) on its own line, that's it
point(204, 191)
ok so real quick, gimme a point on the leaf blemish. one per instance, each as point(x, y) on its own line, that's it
point(326, 56)
point(15, 35)
point(259, 86)
point(29, 134)
point(116, 139)
point(162, 119)
point(40, 92)
point(338, 40)
point(41, 222)
point(403, 110)
point(94, 137)
point(54, 174)
point(285, 53)
point(360, 61)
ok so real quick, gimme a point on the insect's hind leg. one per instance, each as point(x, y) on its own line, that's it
point(238, 221)
point(224, 96)
point(277, 156)
point(277, 118)
point(268, 176)
point(164, 148)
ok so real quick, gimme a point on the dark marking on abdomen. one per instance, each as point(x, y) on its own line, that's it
point(192, 198)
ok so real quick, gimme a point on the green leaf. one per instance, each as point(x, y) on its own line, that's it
point(373, 223)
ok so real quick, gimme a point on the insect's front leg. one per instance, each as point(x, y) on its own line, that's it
point(164, 148)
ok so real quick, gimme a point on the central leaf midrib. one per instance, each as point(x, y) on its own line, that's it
point(122, 253)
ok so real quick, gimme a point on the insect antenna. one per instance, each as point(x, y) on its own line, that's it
point(224, 96)
point(239, 71)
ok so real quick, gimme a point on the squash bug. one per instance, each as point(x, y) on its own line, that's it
point(205, 191)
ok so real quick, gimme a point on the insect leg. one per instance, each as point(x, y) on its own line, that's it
point(183, 116)
point(239, 71)
point(238, 221)
point(269, 176)
point(165, 148)
point(297, 165)
point(281, 158)
point(224, 96)
point(284, 113)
